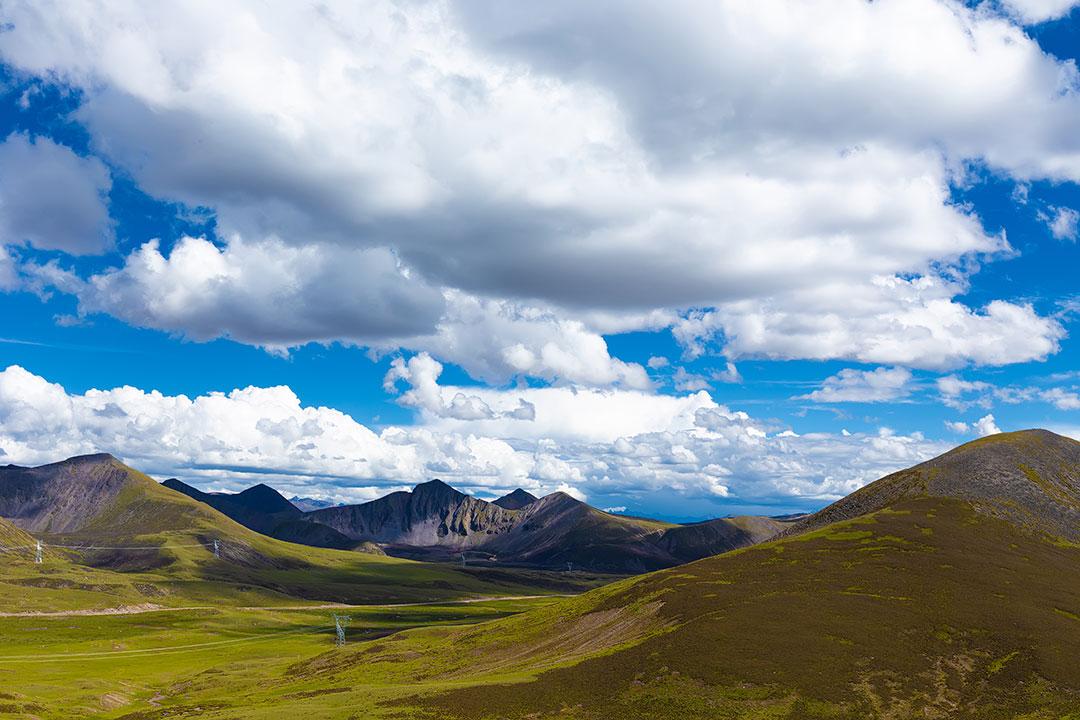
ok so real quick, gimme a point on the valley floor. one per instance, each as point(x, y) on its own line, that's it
point(202, 662)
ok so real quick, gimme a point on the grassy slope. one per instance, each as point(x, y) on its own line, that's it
point(927, 609)
point(253, 569)
point(930, 606)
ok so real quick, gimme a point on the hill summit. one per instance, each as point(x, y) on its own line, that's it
point(1029, 477)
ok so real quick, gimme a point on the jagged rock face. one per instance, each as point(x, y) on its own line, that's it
point(432, 514)
point(1030, 477)
point(61, 497)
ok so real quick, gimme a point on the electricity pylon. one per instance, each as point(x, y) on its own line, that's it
point(340, 623)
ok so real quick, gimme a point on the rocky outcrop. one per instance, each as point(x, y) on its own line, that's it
point(433, 514)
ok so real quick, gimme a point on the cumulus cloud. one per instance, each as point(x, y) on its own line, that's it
point(957, 426)
point(850, 385)
point(497, 340)
point(986, 426)
point(904, 321)
point(622, 175)
point(51, 198)
point(635, 443)
point(267, 293)
point(982, 427)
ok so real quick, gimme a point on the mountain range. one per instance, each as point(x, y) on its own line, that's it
point(438, 523)
point(114, 518)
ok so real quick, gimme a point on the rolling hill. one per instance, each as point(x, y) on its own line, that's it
point(436, 522)
point(103, 514)
point(948, 591)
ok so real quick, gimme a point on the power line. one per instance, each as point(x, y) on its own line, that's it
point(215, 546)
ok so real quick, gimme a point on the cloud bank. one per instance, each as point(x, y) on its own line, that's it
point(633, 444)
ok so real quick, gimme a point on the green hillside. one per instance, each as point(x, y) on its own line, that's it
point(158, 545)
point(932, 606)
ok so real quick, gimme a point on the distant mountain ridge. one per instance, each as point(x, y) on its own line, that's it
point(515, 500)
point(96, 511)
point(437, 522)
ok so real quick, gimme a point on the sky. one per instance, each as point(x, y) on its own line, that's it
point(681, 259)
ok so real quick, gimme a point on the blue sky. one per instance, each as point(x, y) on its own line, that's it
point(639, 268)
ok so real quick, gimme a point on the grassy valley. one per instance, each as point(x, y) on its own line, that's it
point(944, 591)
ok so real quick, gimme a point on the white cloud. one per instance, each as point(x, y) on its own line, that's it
point(496, 340)
point(9, 274)
point(634, 443)
point(913, 322)
point(986, 426)
point(612, 179)
point(1062, 222)
point(1037, 11)
point(658, 362)
point(266, 293)
point(51, 198)
point(962, 394)
point(689, 382)
point(958, 426)
point(850, 385)
point(1061, 398)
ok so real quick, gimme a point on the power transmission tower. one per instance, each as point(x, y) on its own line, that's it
point(462, 559)
point(570, 567)
point(37, 559)
point(340, 623)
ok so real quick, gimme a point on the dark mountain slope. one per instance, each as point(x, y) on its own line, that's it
point(433, 514)
point(515, 500)
point(245, 507)
point(265, 499)
point(929, 606)
point(1030, 477)
point(436, 522)
point(557, 529)
point(61, 497)
point(698, 540)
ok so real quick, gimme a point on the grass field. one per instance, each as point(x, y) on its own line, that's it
point(203, 659)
